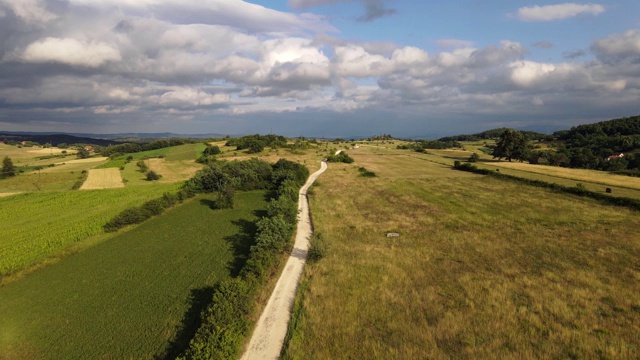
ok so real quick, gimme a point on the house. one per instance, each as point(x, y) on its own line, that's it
point(615, 156)
point(89, 148)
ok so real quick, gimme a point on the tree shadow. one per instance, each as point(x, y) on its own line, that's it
point(199, 300)
point(241, 242)
point(210, 203)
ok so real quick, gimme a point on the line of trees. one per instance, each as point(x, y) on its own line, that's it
point(225, 323)
point(129, 148)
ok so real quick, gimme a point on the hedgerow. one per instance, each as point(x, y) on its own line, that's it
point(225, 323)
point(633, 204)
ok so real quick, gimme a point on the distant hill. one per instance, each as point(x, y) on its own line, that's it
point(54, 139)
point(164, 135)
point(494, 134)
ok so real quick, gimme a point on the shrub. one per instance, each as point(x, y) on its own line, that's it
point(142, 165)
point(474, 157)
point(340, 157)
point(224, 200)
point(366, 173)
point(211, 150)
point(152, 175)
point(318, 248)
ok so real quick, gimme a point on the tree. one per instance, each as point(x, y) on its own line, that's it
point(255, 146)
point(211, 150)
point(512, 145)
point(83, 153)
point(152, 175)
point(8, 169)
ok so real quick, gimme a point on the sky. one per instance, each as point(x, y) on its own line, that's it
point(323, 68)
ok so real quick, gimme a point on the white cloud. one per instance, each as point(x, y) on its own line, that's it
point(71, 52)
point(30, 11)
point(527, 73)
point(619, 45)
point(557, 12)
point(355, 61)
point(236, 13)
point(190, 97)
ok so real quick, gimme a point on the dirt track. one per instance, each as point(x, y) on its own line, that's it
point(268, 336)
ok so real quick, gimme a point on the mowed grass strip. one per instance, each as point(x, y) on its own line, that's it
point(103, 179)
point(483, 268)
point(126, 298)
point(36, 225)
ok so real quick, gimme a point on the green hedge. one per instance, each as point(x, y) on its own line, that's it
point(225, 323)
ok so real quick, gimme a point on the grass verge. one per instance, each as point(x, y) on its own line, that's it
point(483, 269)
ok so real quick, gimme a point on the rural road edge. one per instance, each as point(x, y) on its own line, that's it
point(268, 336)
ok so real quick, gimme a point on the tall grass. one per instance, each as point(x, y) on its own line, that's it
point(483, 269)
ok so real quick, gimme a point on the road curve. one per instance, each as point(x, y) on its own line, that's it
point(268, 336)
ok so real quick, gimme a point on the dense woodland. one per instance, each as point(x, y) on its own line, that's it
point(612, 145)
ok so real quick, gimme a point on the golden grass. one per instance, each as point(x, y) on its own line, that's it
point(593, 176)
point(174, 171)
point(103, 179)
point(50, 151)
point(483, 269)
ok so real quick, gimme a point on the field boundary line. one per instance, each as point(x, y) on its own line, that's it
point(270, 331)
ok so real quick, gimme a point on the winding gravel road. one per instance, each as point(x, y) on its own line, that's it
point(268, 336)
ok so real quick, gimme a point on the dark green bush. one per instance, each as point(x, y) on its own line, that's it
point(366, 173)
point(152, 175)
point(318, 248)
point(342, 157)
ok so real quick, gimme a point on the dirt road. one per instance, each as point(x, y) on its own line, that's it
point(268, 336)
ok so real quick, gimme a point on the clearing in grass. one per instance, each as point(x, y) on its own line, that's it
point(137, 295)
point(103, 179)
point(483, 268)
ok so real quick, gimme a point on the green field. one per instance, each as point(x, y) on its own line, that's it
point(483, 268)
point(129, 297)
point(42, 223)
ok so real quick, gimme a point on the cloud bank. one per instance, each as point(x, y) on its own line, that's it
point(232, 66)
point(558, 12)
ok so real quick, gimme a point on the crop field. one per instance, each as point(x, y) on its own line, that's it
point(483, 268)
point(129, 297)
point(61, 176)
point(103, 179)
point(45, 222)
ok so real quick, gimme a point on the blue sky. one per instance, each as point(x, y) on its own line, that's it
point(316, 67)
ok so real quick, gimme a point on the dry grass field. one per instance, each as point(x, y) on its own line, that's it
point(174, 171)
point(483, 268)
point(103, 179)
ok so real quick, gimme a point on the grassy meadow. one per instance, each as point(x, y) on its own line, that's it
point(483, 268)
point(135, 296)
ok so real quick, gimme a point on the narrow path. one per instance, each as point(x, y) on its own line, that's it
point(268, 336)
